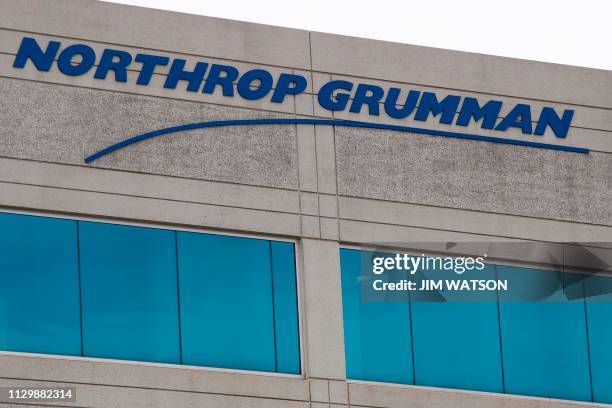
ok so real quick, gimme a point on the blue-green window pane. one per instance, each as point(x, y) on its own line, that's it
point(376, 334)
point(456, 341)
point(226, 302)
point(598, 291)
point(129, 292)
point(544, 341)
point(39, 295)
point(285, 308)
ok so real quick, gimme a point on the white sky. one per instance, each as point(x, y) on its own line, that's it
point(575, 32)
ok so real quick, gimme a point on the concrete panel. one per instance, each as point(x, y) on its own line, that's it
point(338, 392)
point(328, 205)
point(319, 390)
point(595, 140)
point(326, 161)
point(329, 228)
point(360, 232)
point(147, 209)
point(323, 309)
point(310, 226)
point(374, 395)
point(140, 27)
point(93, 396)
point(65, 124)
point(141, 375)
point(481, 73)
point(309, 204)
point(307, 157)
point(474, 175)
point(147, 185)
point(475, 222)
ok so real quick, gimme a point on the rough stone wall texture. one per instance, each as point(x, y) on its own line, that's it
point(65, 124)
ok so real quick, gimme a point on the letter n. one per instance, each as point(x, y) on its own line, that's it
point(30, 50)
point(559, 125)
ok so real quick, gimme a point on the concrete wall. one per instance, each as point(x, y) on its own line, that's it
point(324, 186)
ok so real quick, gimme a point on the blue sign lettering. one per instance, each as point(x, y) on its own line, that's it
point(335, 95)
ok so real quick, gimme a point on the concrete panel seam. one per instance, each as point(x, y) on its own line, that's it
point(148, 197)
point(470, 210)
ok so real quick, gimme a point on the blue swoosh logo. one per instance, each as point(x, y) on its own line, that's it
point(331, 122)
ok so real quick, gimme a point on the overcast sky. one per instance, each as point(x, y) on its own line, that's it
point(562, 31)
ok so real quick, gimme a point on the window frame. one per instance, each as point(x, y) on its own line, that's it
point(493, 261)
point(179, 228)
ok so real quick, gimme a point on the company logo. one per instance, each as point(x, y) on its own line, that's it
point(336, 95)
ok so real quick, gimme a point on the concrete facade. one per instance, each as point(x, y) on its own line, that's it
point(321, 185)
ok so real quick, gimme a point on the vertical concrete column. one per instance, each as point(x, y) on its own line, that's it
point(323, 324)
point(326, 159)
point(307, 160)
point(309, 206)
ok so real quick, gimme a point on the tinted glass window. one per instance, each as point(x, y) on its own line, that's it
point(148, 294)
point(544, 341)
point(456, 341)
point(598, 291)
point(225, 286)
point(540, 338)
point(377, 334)
point(39, 293)
point(285, 308)
point(129, 292)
